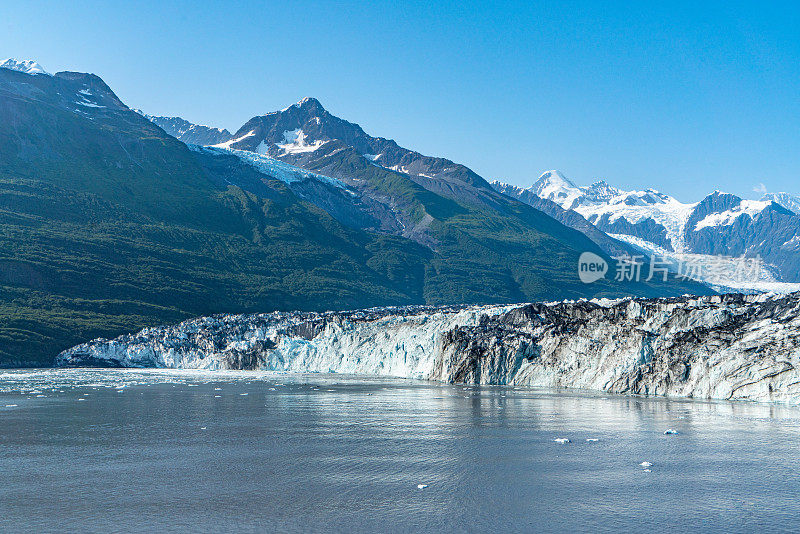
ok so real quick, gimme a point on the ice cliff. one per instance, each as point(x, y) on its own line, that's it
point(721, 347)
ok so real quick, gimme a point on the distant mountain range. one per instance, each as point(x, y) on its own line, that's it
point(189, 133)
point(108, 223)
point(719, 225)
point(721, 230)
point(616, 220)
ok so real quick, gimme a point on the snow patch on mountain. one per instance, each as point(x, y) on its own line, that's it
point(86, 96)
point(27, 66)
point(88, 104)
point(296, 142)
point(296, 104)
point(749, 208)
point(227, 144)
point(792, 244)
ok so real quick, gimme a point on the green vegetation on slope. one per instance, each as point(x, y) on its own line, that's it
point(108, 225)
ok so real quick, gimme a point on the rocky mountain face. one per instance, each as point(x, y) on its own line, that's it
point(108, 224)
point(189, 133)
point(790, 202)
point(431, 201)
point(719, 225)
point(724, 224)
point(567, 217)
point(722, 347)
point(308, 136)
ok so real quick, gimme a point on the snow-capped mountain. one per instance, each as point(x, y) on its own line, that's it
point(188, 132)
point(719, 225)
point(790, 202)
point(648, 214)
point(567, 217)
point(27, 66)
point(554, 186)
point(307, 135)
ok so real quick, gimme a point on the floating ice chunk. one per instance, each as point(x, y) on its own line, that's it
point(11, 405)
point(647, 471)
point(422, 486)
point(202, 428)
point(243, 394)
point(79, 400)
point(645, 464)
point(562, 440)
point(592, 439)
point(670, 431)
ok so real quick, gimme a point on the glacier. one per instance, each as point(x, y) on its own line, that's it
point(272, 167)
point(742, 347)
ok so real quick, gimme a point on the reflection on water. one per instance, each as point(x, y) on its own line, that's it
point(167, 450)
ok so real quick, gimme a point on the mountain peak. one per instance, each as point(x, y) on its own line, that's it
point(27, 66)
point(601, 191)
point(552, 179)
point(308, 100)
point(553, 185)
point(310, 103)
point(554, 176)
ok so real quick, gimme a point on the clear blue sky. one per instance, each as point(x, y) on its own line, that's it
point(686, 98)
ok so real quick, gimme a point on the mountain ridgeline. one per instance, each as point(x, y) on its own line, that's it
point(189, 133)
point(110, 224)
point(719, 225)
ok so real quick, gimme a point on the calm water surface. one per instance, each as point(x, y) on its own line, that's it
point(157, 451)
